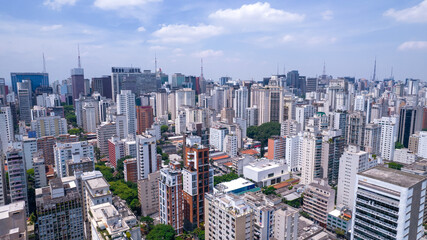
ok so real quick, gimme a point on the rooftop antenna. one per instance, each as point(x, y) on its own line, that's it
point(155, 63)
point(375, 69)
point(78, 50)
point(324, 68)
point(201, 68)
point(44, 64)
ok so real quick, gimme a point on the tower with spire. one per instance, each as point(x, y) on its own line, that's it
point(374, 76)
point(77, 78)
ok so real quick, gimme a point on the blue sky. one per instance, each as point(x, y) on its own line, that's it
point(241, 39)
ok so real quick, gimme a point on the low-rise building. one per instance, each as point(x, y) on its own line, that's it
point(237, 186)
point(339, 220)
point(106, 222)
point(404, 156)
point(266, 172)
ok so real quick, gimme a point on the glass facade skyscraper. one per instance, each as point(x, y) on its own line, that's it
point(36, 79)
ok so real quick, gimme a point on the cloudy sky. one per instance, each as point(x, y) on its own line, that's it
point(240, 39)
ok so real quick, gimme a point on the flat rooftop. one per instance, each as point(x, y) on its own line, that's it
point(393, 176)
point(236, 184)
point(98, 182)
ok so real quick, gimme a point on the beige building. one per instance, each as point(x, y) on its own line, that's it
point(148, 194)
point(286, 224)
point(227, 217)
point(319, 200)
point(13, 221)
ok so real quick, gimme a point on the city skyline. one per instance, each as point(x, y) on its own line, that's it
point(230, 37)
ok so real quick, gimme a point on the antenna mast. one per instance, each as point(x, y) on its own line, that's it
point(375, 70)
point(44, 64)
point(324, 68)
point(78, 58)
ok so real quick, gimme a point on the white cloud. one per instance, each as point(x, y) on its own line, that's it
point(116, 4)
point(413, 45)
point(208, 53)
point(321, 40)
point(51, 27)
point(327, 15)
point(158, 48)
point(287, 38)
point(181, 33)
point(57, 4)
point(141, 29)
point(415, 14)
point(257, 16)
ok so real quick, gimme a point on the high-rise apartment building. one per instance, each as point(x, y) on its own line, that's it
point(252, 116)
point(3, 184)
point(276, 147)
point(290, 128)
point(59, 210)
point(319, 200)
point(389, 204)
point(146, 155)
point(126, 107)
point(197, 180)
point(65, 151)
point(130, 170)
point(6, 127)
point(77, 81)
point(372, 140)
point(241, 102)
point(286, 224)
point(293, 152)
point(388, 136)
point(217, 136)
point(104, 132)
point(311, 155)
point(332, 149)
point(422, 145)
point(148, 194)
point(171, 197)
point(49, 126)
point(17, 176)
point(40, 179)
point(144, 118)
point(355, 128)
point(46, 144)
point(352, 162)
point(227, 217)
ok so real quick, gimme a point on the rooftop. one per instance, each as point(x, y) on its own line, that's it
point(235, 184)
point(98, 182)
point(393, 176)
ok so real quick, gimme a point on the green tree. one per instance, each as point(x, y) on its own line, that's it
point(269, 190)
point(395, 165)
point(75, 131)
point(304, 214)
point(32, 218)
point(225, 178)
point(398, 145)
point(162, 232)
point(31, 191)
point(263, 132)
point(164, 128)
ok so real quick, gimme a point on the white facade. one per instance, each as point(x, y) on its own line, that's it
point(293, 152)
point(389, 127)
point(65, 151)
point(180, 123)
point(359, 103)
point(126, 106)
point(6, 127)
point(388, 202)
point(29, 146)
point(422, 145)
point(230, 145)
point(146, 155)
point(311, 156)
point(352, 162)
point(404, 156)
point(290, 128)
point(266, 172)
point(185, 97)
point(216, 137)
point(241, 102)
point(303, 113)
point(89, 118)
point(286, 224)
point(252, 116)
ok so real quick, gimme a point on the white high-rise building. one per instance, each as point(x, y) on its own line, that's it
point(3, 187)
point(181, 122)
point(413, 86)
point(290, 128)
point(6, 127)
point(126, 106)
point(303, 113)
point(146, 155)
point(352, 162)
point(89, 116)
point(161, 103)
point(293, 152)
point(230, 145)
point(217, 136)
point(286, 224)
point(389, 204)
point(389, 127)
point(359, 103)
point(185, 97)
point(29, 147)
point(252, 116)
point(65, 151)
point(422, 144)
point(311, 155)
point(241, 102)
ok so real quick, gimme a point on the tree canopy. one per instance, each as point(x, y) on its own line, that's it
point(225, 178)
point(162, 232)
point(264, 131)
